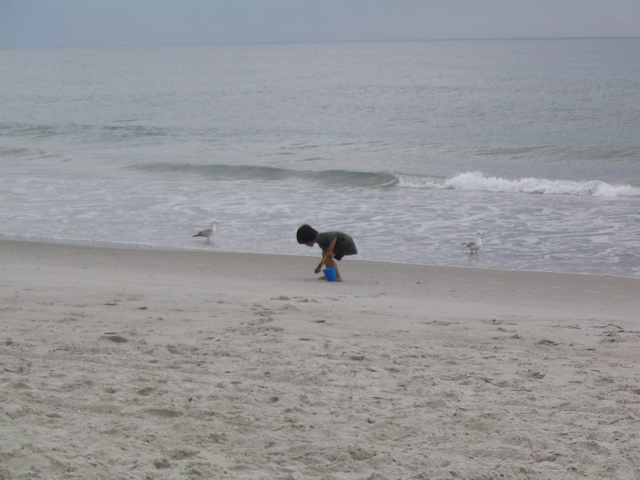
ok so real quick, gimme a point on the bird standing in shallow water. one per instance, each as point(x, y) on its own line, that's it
point(475, 246)
point(207, 232)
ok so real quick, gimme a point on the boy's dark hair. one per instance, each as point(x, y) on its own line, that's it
point(306, 234)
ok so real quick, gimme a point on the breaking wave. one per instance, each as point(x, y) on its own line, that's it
point(467, 181)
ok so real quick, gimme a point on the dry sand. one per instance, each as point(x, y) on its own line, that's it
point(138, 364)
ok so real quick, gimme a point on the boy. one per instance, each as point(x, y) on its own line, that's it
point(334, 245)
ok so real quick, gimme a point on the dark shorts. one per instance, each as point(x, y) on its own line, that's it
point(344, 245)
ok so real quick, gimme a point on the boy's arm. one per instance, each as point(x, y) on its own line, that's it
point(332, 245)
point(327, 254)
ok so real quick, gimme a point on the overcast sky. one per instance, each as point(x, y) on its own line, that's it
point(68, 23)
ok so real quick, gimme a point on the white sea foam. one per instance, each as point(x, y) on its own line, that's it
point(478, 182)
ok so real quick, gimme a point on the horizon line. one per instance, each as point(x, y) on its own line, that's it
point(470, 39)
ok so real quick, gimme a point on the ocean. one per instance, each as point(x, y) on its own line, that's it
point(410, 147)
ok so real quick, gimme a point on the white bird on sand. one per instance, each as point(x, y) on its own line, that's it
point(475, 246)
point(207, 232)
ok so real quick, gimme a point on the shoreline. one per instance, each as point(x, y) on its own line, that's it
point(140, 247)
point(172, 364)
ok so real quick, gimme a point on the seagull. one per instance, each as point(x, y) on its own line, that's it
point(475, 246)
point(207, 232)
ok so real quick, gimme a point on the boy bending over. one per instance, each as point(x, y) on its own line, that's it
point(334, 245)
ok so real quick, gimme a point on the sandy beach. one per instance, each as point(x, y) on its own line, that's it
point(141, 364)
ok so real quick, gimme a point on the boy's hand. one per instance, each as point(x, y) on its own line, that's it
point(317, 270)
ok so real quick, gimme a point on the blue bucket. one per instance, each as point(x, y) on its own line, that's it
point(330, 274)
